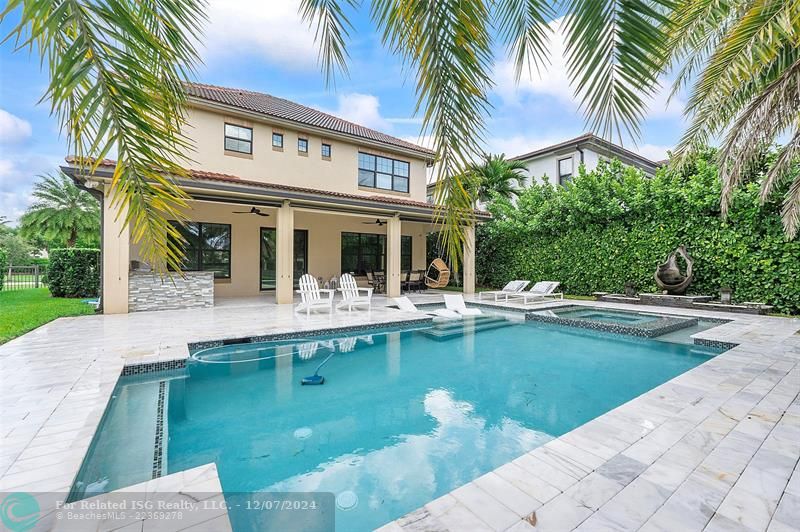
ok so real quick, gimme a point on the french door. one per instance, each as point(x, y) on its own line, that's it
point(268, 256)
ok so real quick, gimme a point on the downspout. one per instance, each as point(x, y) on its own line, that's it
point(100, 197)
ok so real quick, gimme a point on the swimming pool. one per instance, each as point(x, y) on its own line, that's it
point(404, 416)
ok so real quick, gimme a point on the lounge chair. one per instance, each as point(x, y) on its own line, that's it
point(406, 305)
point(352, 294)
point(538, 293)
point(311, 296)
point(456, 303)
point(511, 288)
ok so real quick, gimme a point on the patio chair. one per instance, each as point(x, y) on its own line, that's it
point(510, 288)
point(405, 304)
point(352, 293)
point(538, 293)
point(311, 296)
point(415, 282)
point(456, 303)
point(438, 274)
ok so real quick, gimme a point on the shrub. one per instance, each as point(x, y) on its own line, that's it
point(3, 268)
point(74, 272)
point(614, 225)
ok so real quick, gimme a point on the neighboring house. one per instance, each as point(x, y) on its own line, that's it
point(277, 190)
point(561, 161)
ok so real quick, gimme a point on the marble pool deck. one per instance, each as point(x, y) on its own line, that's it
point(715, 448)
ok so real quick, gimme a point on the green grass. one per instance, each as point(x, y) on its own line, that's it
point(24, 310)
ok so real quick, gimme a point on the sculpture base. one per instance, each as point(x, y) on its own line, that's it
point(668, 300)
point(693, 302)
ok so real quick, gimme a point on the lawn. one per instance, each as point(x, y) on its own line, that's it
point(24, 310)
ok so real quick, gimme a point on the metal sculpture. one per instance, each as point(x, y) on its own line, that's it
point(668, 275)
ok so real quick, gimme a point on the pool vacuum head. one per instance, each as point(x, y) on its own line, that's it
point(313, 379)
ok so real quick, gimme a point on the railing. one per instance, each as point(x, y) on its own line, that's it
point(25, 277)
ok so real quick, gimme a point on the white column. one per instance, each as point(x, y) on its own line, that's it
point(116, 257)
point(393, 257)
point(469, 260)
point(284, 242)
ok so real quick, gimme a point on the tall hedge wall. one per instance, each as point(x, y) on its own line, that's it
point(74, 272)
point(614, 225)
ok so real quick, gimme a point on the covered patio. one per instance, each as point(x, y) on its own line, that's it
point(249, 239)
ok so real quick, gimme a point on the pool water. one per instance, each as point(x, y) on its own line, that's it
point(404, 416)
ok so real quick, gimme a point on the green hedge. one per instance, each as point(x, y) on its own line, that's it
point(3, 268)
point(74, 272)
point(614, 225)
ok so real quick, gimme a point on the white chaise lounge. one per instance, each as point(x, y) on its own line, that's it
point(311, 296)
point(541, 291)
point(352, 294)
point(511, 288)
point(406, 305)
point(456, 303)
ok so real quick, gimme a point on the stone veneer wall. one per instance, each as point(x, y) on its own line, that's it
point(147, 291)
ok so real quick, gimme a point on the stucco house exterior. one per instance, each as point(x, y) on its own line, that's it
point(561, 161)
point(277, 190)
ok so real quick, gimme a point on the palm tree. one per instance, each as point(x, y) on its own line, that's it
point(62, 212)
point(116, 70)
point(497, 176)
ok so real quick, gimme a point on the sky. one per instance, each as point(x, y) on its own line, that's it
point(269, 49)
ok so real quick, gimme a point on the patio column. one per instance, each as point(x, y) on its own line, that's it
point(469, 260)
point(116, 257)
point(393, 257)
point(284, 267)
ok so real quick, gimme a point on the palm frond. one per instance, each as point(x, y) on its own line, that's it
point(331, 31)
point(448, 45)
point(116, 72)
point(615, 53)
point(523, 26)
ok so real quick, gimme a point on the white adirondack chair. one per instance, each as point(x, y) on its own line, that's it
point(352, 294)
point(311, 296)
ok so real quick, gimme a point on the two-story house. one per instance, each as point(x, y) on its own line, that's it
point(561, 161)
point(277, 190)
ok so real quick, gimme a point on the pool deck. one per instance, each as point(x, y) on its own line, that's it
point(715, 448)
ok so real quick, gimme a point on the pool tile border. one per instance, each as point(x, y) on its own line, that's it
point(198, 346)
point(158, 446)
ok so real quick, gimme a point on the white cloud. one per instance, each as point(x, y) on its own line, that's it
point(551, 79)
point(661, 106)
point(17, 175)
point(654, 152)
point(363, 109)
point(13, 128)
point(273, 30)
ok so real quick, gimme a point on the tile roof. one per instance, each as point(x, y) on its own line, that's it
point(273, 106)
point(203, 175)
point(588, 138)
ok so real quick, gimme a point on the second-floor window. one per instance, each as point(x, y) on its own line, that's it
point(375, 171)
point(326, 150)
point(564, 170)
point(302, 145)
point(238, 139)
point(277, 140)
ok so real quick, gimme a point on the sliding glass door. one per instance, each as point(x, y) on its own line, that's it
point(269, 256)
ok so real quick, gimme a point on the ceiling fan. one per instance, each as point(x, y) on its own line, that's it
point(253, 210)
point(377, 222)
